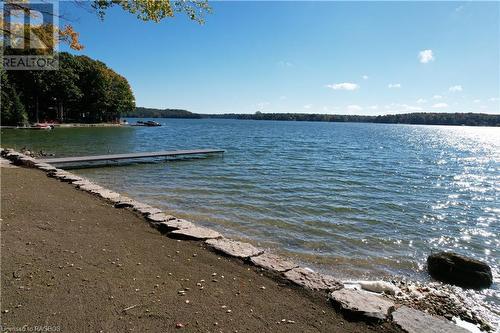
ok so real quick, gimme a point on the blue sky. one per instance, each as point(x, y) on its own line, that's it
point(310, 57)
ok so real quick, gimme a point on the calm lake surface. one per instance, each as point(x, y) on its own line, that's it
point(357, 200)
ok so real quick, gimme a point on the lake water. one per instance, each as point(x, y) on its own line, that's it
point(356, 200)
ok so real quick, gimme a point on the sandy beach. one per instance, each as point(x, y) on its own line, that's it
point(73, 263)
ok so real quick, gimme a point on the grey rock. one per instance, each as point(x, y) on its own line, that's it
point(146, 209)
point(380, 287)
point(273, 262)
point(415, 321)
point(234, 248)
point(198, 233)
point(82, 182)
point(98, 189)
point(13, 155)
point(107, 194)
point(158, 217)
point(462, 271)
point(173, 224)
point(122, 202)
point(47, 169)
point(115, 199)
point(139, 205)
point(55, 172)
point(69, 177)
point(362, 303)
point(58, 173)
point(27, 161)
point(90, 188)
point(72, 179)
point(45, 166)
point(312, 280)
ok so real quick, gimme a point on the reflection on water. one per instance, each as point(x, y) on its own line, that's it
point(362, 199)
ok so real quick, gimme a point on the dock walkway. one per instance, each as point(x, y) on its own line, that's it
point(113, 157)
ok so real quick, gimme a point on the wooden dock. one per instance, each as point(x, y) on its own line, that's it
point(113, 157)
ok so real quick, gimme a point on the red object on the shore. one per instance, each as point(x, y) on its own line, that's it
point(179, 325)
point(42, 126)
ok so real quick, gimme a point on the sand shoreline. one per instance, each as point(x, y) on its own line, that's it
point(72, 262)
point(321, 308)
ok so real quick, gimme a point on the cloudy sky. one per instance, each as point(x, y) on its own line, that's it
point(311, 57)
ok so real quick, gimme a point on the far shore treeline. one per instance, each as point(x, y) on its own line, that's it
point(83, 90)
point(421, 118)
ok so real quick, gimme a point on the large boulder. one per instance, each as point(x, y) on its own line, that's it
point(196, 233)
point(363, 303)
point(459, 270)
point(415, 321)
point(312, 280)
point(273, 262)
point(234, 248)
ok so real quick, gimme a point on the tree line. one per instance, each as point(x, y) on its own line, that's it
point(421, 118)
point(82, 90)
point(141, 112)
point(418, 118)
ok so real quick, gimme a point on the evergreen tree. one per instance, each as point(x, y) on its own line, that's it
point(11, 109)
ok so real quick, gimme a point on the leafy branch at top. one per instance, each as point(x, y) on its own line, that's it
point(145, 10)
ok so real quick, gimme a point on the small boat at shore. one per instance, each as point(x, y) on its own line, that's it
point(42, 127)
point(37, 127)
point(148, 123)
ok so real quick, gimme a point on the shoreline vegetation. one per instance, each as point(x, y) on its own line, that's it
point(120, 279)
point(83, 90)
point(421, 118)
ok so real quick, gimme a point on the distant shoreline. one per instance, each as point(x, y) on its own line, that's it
point(443, 119)
point(421, 118)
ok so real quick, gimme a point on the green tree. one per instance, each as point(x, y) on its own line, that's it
point(63, 90)
point(11, 109)
point(82, 90)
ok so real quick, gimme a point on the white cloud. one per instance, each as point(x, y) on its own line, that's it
point(477, 101)
point(307, 106)
point(440, 106)
point(437, 97)
point(365, 77)
point(407, 107)
point(373, 107)
point(421, 101)
point(394, 85)
point(402, 107)
point(330, 109)
point(493, 99)
point(425, 56)
point(262, 105)
point(456, 88)
point(354, 107)
point(343, 86)
point(284, 63)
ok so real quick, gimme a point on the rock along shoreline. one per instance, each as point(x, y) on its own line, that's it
point(410, 306)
